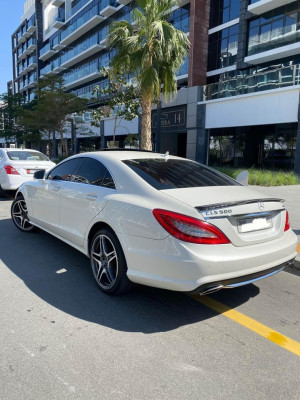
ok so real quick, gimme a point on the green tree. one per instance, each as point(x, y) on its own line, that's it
point(152, 49)
point(118, 99)
point(11, 108)
point(53, 106)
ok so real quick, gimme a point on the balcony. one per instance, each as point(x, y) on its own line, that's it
point(31, 64)
point(58, 3)
point(46, 52)
point(84, 24)
point(56, 45)
point(32, 81)
point(124, 2)
point(107, 8)
point(48, 70)
point(30, 30)
point(279, 43)
point(82, 76)
point(262, 6)
point(81, 56)
point(21, 39)
point(59, 22)
point(247, 84)
point(31, 46)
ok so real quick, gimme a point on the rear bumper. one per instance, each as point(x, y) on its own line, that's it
point(240, 281)
point(13, 182)
point(186, 267)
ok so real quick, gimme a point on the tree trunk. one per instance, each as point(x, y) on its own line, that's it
point(146, 103)
point(62, 142)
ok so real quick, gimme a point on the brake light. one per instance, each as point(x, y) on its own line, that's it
point(10, 170)
point(287, 222)
point(189, 229)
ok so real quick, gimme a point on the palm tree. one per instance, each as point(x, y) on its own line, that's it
point(151, 49)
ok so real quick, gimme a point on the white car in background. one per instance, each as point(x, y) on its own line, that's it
point(18, 166)
point(158, 220)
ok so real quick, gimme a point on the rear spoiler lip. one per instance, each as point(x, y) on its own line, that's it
point(237, 203)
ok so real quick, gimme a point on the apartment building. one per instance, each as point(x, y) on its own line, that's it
point(238, 92)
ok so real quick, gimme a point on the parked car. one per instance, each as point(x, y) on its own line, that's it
point(18, 166)
point(158, 220)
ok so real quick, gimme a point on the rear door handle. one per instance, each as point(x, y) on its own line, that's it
point(56, 188)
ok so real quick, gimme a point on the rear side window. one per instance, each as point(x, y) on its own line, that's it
point(65, 171)
point(26, 156)
point(93, 172)
point(173, 174)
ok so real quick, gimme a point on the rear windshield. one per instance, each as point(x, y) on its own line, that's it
point(172, 174)
point(27, 156)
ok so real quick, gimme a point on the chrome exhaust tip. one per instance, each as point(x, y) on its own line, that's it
point(211, 289)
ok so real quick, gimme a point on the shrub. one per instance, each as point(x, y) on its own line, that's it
point(263, 177)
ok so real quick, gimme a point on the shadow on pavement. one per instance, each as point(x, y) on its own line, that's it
point(35, 258)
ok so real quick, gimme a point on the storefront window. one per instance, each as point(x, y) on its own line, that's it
point(268, 146)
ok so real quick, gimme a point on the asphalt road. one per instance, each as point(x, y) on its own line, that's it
point(61, 338)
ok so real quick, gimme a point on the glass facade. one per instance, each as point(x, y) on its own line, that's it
point(265, 146)
point(223, 47)
point(276, 28)
point(223, 11)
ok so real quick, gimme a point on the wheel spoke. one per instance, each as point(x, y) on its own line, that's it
point(111, 256)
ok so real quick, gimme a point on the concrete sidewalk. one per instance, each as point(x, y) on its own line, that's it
point(291, 195)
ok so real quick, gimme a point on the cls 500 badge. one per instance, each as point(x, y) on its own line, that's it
point(218, 213)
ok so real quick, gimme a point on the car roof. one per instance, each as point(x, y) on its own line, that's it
point(17, 149)
point(127, 155)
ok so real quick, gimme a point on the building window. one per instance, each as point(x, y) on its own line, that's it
point(274, 29)
point(223, 48)
point(223, 11)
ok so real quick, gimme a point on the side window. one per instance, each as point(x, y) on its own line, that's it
point(65, 171)
point(1, 155)
point(93, 172)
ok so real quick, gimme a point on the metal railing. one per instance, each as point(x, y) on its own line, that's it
point(246, 84)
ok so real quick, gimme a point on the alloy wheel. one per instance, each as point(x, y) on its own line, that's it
point(20, 215)
point(104, 261)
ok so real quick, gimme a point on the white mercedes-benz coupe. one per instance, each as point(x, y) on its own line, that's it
point(158, 220)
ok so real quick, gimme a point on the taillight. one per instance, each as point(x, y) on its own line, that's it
point(10, 170)
point(189, 229)
point(287, 222)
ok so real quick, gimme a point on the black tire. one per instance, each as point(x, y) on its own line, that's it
point(108, 263)
point(19, 215)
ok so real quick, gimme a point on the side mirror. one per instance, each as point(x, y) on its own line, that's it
point(243, 178)
point(39, 174)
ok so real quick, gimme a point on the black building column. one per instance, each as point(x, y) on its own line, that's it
point(243, 35)
point(297, 150)
point(202, 136)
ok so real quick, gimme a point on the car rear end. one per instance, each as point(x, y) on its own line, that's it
point(20, 166)
point(227, 236)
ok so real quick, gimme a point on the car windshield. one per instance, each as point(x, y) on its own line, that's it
point(26, 155)
point(175, 173)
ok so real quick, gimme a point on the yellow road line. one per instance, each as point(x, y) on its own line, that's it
point(263, 330)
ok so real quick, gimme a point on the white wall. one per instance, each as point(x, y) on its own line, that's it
point(269, 107)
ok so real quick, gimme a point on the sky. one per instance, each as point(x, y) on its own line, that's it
point(11, 12)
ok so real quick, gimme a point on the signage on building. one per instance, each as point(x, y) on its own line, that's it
point(171, 119)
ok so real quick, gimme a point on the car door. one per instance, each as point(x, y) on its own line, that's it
point(83, 198)
point(45, 199)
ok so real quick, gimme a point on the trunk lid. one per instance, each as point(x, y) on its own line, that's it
point(244, 215)
point(27, 168)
